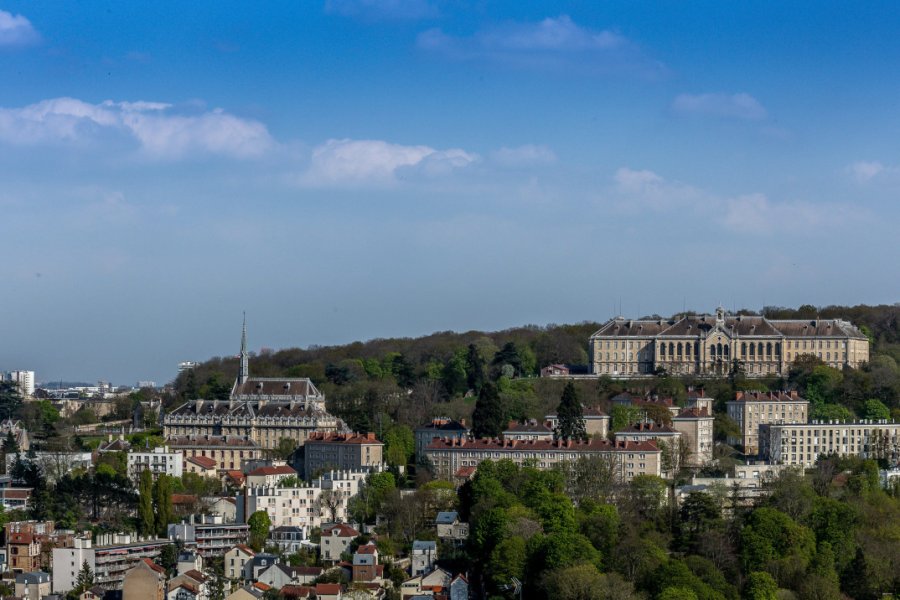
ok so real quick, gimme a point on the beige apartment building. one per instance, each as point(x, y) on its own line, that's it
point(596, 422)
point(752, 409)
point(447, 456)
point(696, 428)
point(708, 345)
point(801, 444)
point(229, 451)
point(347, 451)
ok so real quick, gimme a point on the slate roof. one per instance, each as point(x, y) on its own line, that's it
point(740, 325)
point(446, 517)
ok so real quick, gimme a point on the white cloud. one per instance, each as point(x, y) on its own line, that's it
point(160, 131)
point(523, 156)
point(16, 30)
point(864, 171)
point(553, 43)
point(382, 9)
point(644, 189)
point(348, 162)
point(736, 106)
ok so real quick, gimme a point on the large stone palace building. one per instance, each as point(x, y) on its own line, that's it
point(260, 409)
point(709, 344)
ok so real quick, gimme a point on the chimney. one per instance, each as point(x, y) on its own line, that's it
point(794, 394)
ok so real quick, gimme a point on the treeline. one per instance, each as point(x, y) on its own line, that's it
point(406, 380)
point(576, 535)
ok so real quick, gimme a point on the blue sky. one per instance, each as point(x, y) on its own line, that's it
point(351, 169)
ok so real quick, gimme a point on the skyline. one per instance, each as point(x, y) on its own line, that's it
point(355, 169)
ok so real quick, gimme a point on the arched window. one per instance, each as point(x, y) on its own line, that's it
point(752, 350)
point(687, 348)
point(727, 351)
point(679, 350)
point(759, 350)
point(671, 349)
point(777, 348)
point(719, 349)
point(743, 349)
point(662, 350)
point(712, 350)
point(769, 350)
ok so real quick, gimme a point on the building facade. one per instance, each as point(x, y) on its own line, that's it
point(159, 461)
point(229, 451)
point(261, 409)
point(109, 559)
point(802, 443)
point(447, 456)
point(752, 409)
point(210, 535)
point(696, 428)
point(439, 427)
point(709, 345)
point(349, 451)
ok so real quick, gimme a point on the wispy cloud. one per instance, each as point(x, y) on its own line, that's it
point(734, 106)
point(160, 131)
point(647, 192)
point(353, 163)
point(383, 9)
point(865, 171)
point(523, 156)
point(16, 30)
point(554, 42)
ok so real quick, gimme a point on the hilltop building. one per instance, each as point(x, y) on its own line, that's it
point(752, 409)
point(708, 345)
point(261, 409)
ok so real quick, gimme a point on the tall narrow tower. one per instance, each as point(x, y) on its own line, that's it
point(245, 357)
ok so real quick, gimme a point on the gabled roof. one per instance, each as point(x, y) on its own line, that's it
point(329, 589)
point(203, 461)
point(341, 529)
point(297, 591)
point(245, 549)
point(153, 566)
point(424, 545)
point(693, 413)
point(369, 548)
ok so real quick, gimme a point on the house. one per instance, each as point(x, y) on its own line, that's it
point(439, 427)
point(190, 585)
point(430, 584)
point(189, 561)
point(15, 498)
point(158, 461)
point(279, 575)
point(117, 444)
point(95, 593)
point(289, 539)
point(235, 559)
point(9, 427)
point(257, 564)
point(555, 370)
point(184, 504)
point(424, 553)
point(449, 527)
point(354, 451)
point(204, 466)
point(365, 564)
point(251, 591)
point(23, 549)
point(225, 507)
point(233, 479)
point(459, 588)
point(269, 476)
point(328, 591)
point(336, 540)
point(33, 586)
point(144, 581)
point(297, 592)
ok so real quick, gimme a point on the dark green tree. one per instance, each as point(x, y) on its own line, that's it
point(570, 417)
point(10, 399)
point(146, 518)
point(85, 578)
point(162, 502)
point(474, 368)
point(10, 445)
point(259, 523)
point(488, 417)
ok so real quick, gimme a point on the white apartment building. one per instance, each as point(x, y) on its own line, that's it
point(210, 535)
point(109, 559)
point(752, 409)
point(24, 379)
point(303, 506)
point(801, 444)
point(158, 461)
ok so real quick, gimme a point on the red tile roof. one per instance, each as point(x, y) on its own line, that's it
point(279, 470)
point(153, 566)
point(184, 499)
point(262, 586)
point(203, 461)
point(328, 588)
point(320, 437)
point(367, 549)
point(246, 549)
point(592, 445)
point(342, 529)
point(296, 591)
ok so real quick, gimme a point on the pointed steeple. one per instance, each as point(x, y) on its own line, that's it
point(244, 375)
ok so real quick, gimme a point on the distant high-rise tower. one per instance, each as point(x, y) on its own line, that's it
point(245, 357)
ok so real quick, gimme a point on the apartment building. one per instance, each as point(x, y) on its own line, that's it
point(447, 456)
point(209, 535)
point(229, 451)
point(438, 427)
point(159, 461)
point(109, 558)
point(696, 428)
point(802, 444)
point(752, 409)
point(324, 451)
point(596, 422)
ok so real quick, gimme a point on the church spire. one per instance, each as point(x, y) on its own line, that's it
point(245, 357)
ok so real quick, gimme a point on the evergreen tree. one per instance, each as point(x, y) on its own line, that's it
point(474, 369)
point(146, 523)
point(162, 501)
point(10, 445)
point(85, 578)
point(570, 418)
point(10, 399)
point(488, 418)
